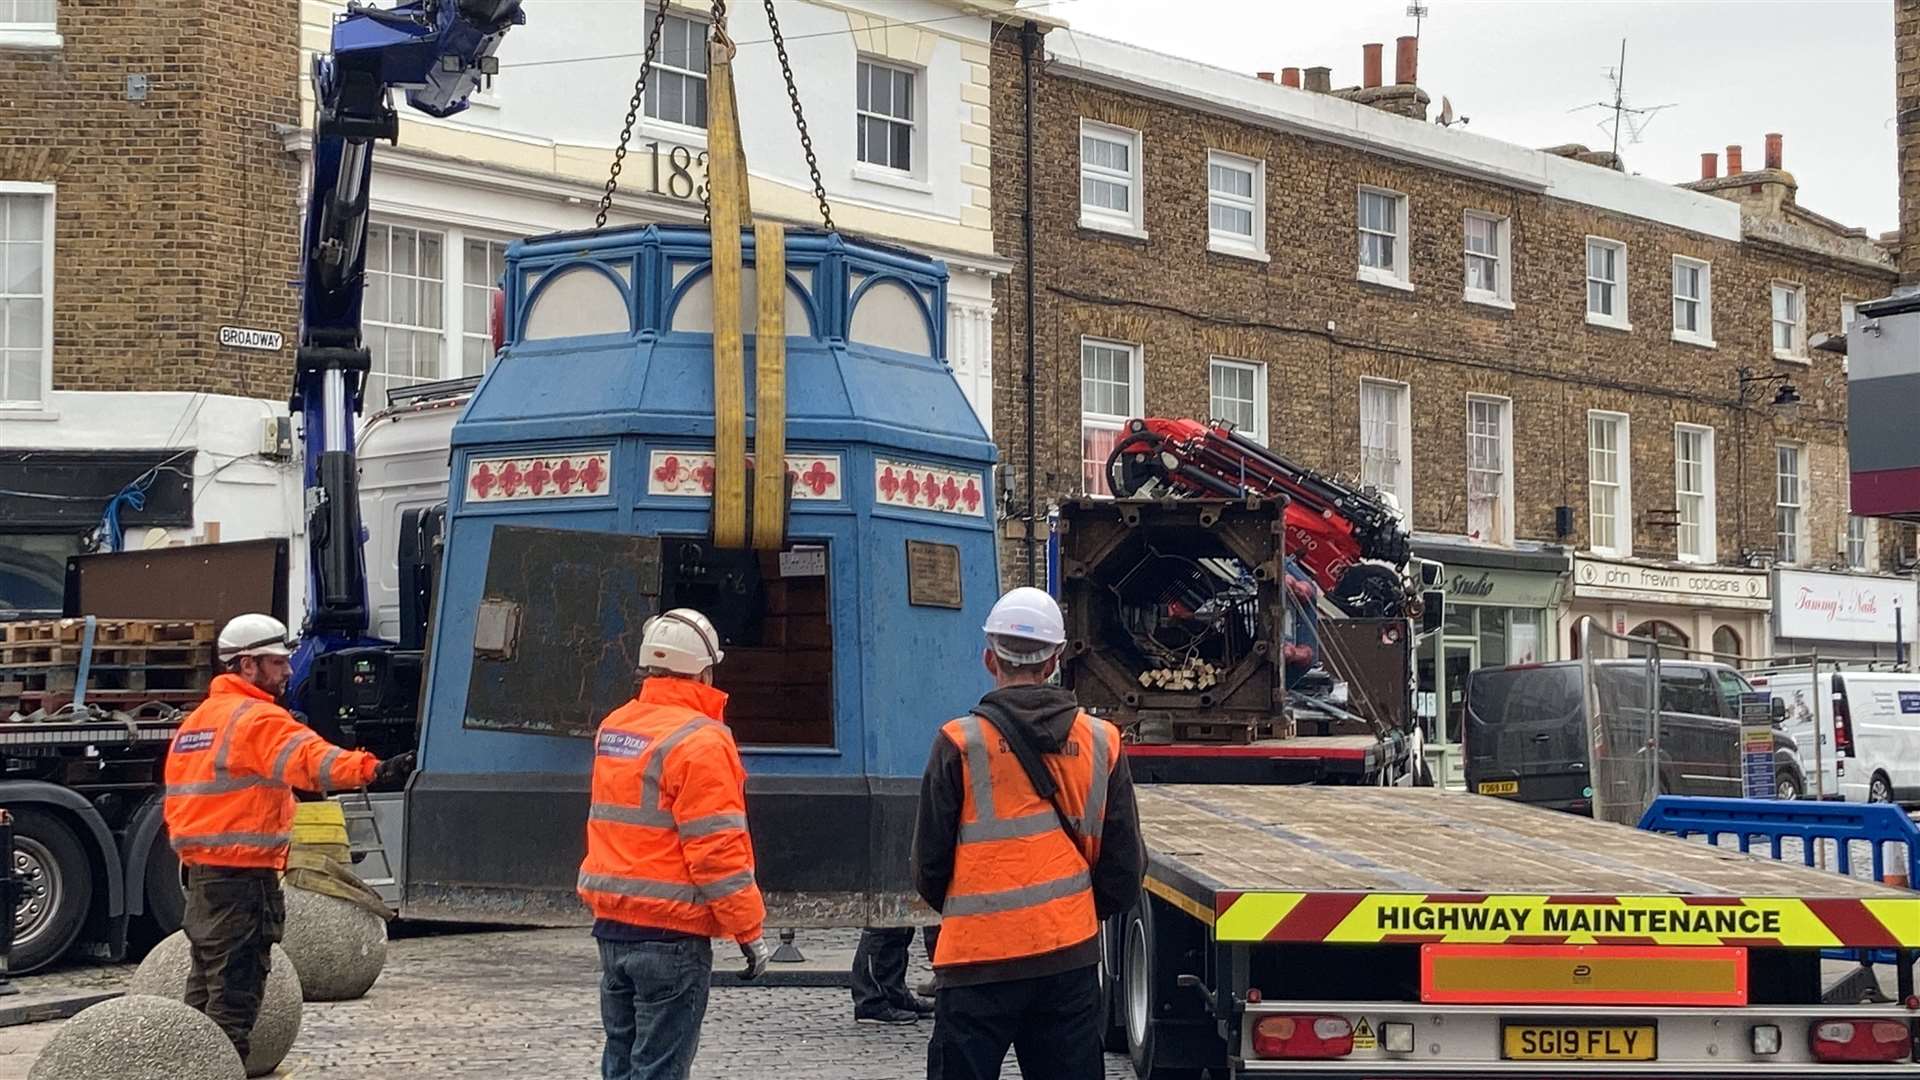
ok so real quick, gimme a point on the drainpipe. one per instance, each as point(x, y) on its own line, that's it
point(1029, 47)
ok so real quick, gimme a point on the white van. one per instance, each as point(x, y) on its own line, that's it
point(1869, 744)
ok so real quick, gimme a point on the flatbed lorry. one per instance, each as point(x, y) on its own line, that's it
point(1412, 932)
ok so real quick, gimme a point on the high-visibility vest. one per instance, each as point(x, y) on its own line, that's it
point(667, 843)
point(231, 771)
point(1020, 887)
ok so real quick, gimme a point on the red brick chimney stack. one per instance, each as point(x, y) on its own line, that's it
point(1370, 63)
point(1406, 60)
point(1733, 161)
point(1264, 76)
point(1773, 150)
point(1709, 165)
point(1290, 77)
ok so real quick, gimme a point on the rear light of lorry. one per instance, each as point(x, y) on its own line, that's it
point(1861, 1041)
point(1303, 1037)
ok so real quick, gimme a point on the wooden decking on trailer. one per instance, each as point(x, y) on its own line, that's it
point(1374, 865)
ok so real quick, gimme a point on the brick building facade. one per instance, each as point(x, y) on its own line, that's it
point(155, 127)
point(1531, 334)
point(146, 201)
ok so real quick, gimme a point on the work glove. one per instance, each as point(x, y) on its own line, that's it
point(394, 768)
point(758, 956)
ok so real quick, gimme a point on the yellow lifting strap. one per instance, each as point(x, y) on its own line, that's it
point(730, 208)
point(770, 378)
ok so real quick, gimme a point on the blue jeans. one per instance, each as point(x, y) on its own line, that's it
point(653, 997)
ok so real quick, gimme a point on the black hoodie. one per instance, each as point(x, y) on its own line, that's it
point(1046, 713)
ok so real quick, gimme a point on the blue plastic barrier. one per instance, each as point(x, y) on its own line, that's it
point(1844, 824)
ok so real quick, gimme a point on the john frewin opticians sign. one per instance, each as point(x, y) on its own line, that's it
point(1601, 579)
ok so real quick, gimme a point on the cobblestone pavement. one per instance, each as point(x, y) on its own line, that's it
point(512, 1004)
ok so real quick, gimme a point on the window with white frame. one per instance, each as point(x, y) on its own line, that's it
point(1383, 236)
point(884, 111)
point(1609, 484)
point(1787, 500)
point(29, 15)
point(1238, 395)
point(1789, 321)
point(1860, 543)
point(1110, 379)
point(677, 85)
point(1693, 492)
point(26, 285)
point(403, 319)
point(1692, 300)
point(1489, 470)
point(1486, 246)
point(1109, 177)
point(481, 269)
point(1606, 282)
point(1236, 204)
point(1386, 435)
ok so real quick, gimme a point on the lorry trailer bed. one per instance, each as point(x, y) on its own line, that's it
point(1357, 865)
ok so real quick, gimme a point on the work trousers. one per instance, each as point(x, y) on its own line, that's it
point(233, 917)
point(1051, 1022)
point(880, 968)
point(653, 998)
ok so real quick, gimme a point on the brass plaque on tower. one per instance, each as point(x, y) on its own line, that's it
point(933, 574)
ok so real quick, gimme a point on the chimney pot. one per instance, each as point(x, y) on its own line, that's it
point(1290, 77)
point(1264, 76)
point(1320, 79)
point(1709, 165)
point(1733, 161)
point(1773, 150)
point(1370, 63)
point(1406, 60)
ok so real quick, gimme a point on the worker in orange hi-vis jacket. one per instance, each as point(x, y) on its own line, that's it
point(669, 864)
point(229, 811)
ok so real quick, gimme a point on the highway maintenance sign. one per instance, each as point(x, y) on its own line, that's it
point(1493, 919)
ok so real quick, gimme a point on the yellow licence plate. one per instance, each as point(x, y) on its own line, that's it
point(1499, 787)
point(1577, 1042)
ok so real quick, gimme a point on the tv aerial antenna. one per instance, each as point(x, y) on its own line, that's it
point(1631, 119)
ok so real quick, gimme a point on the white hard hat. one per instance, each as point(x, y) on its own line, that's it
point(681, 641)
point(1025, 626)
point(254, 635)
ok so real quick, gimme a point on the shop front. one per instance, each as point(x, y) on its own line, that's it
point(1500, 610)
point(1688, 609)
point(1843, 616)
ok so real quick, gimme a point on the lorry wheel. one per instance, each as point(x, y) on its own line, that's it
point(56, 890)
point(1113, 1027)
point(1144, 994)
point(166, 894)
point(1880, 789)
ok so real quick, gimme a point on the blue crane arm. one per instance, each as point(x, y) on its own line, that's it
point(437, 51)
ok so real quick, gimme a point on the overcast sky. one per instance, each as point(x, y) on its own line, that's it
point(1819, 72)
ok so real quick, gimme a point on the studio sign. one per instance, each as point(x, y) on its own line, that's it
point(1462, 585)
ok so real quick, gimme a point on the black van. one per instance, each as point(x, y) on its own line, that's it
point(1526, 731)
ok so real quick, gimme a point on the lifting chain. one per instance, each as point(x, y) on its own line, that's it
point(633, 112)
point(799, 117)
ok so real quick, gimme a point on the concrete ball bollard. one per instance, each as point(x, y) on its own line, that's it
point(164, 972)
point(138, 1037)
point(338, 947)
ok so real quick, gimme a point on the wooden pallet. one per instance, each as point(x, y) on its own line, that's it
point(108, 632)
point(49, 653)
point(65, 677)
